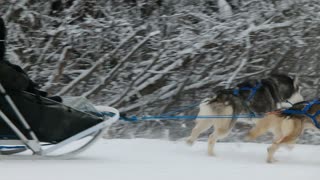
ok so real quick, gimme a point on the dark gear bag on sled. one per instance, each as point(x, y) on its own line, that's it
point(51, 121)
point(11, 79)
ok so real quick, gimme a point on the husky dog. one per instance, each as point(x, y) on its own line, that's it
point(252, 96)
point(285, 127)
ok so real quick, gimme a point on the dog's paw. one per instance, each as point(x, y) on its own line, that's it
point(289, 147)
point(189, 142)
point(249, 137)
point(212, 154)
point(271, 160)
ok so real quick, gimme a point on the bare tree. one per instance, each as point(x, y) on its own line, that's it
point(149, 57)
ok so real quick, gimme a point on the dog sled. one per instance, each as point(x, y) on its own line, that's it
point(34, 127)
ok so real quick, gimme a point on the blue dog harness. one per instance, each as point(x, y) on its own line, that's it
point(305, 110)
point(253, 90)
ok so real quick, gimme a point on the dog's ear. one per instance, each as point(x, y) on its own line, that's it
point(205, 100)
point(209, 100)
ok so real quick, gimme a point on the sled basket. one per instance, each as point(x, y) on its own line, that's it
point(34, 127)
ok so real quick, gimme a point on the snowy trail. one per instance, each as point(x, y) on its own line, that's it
point(145, 159)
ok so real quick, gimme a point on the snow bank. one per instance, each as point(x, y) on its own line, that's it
point(143, 159)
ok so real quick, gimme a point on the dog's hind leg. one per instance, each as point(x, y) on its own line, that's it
point(262, 126)
point(288, 141)
point(291, 129)
point(219, 133)
point(201, 126)
point(271, 150)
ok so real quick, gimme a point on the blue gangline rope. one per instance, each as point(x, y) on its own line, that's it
point(162, 117)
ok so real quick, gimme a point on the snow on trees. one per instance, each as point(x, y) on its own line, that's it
point(149, 57)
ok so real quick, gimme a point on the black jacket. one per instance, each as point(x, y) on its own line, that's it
point(2, 39)
point(13, 77)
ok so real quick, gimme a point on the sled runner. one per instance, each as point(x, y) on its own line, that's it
point(41, 128)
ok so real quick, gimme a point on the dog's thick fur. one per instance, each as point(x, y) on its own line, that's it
point(285, 128)
point(274, 91)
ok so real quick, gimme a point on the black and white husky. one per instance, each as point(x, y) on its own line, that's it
point(252, 96)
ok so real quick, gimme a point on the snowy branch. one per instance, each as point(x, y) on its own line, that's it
point(224, 8)
point(111, 74)
point(118, 100)
point(254, 28)
point(59, 70)
point(88, 72)
point(242, 64)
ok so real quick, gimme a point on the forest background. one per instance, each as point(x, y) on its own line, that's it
point(149, 57)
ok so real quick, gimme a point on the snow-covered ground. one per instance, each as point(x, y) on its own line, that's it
point(145, 159)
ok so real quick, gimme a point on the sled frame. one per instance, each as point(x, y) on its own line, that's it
point(50, 152)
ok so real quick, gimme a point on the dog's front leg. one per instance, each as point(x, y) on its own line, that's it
point(201, 126)
point(218, 133)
